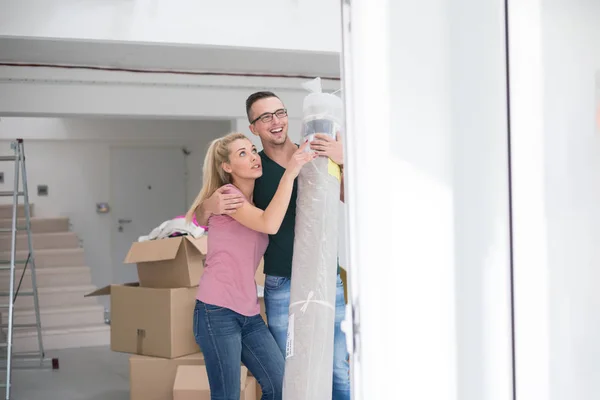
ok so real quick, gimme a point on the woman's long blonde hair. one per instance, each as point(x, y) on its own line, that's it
point(214, 176)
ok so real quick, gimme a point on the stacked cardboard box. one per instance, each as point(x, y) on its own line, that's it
point(152, 319)
point(191, 383)
point(152, 378)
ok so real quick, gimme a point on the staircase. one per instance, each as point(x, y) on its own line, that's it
point(68, 319)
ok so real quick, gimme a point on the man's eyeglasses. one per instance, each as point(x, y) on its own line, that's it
point(268, 116)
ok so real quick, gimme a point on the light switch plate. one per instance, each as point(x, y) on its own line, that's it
point(42, 190)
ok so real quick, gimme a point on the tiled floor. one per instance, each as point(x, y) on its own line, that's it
point(84, 374)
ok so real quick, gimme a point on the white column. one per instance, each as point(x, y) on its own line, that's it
point(530, 245)
point(427, 198)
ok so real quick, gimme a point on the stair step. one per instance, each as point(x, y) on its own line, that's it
point(66, 337)
point(41, 241)
point(49, 277)
point(38, 225)
point(62, 296)
point(59, 316)
point(51, 257)
point(7, 209)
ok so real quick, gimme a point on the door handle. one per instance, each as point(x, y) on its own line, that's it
point(124, 221)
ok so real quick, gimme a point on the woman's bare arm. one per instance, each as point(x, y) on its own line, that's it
point(268, 221)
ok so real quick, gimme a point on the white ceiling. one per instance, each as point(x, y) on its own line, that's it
point(167, 57)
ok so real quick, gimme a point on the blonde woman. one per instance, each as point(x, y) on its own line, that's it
point(227, 322)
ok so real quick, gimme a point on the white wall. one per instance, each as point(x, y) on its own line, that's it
point(72, 157)
point(478, 145)
point(556, 172)
point(571, 43)
point(428, 199)
point(529, 247)
point(311, 25)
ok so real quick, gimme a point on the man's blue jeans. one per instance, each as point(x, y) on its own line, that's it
point(228, 339)
point(277, 303)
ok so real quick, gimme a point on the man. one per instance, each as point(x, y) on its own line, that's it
point(268, 120)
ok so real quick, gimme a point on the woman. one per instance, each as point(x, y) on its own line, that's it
point(227, 322)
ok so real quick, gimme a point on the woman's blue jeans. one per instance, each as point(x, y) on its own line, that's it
point(228, 339)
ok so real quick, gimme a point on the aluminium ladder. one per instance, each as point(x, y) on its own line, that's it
point(30, 359)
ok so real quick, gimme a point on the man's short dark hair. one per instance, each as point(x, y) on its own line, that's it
point(254, 97)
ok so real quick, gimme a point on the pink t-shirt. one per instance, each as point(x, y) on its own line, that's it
point(234, 252)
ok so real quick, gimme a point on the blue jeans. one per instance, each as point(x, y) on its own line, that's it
point(277, 303)
point(228, 339)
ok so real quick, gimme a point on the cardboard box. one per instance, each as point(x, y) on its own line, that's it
point(250, 392)
point(257, 389)
point(191, 383)
point(151, 322)
point(169, 263)
point(152, 378)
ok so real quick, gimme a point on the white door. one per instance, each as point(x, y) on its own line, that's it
point(148, 186)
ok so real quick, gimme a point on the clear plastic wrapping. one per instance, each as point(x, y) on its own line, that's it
point(309, 352)
point(322, 112)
